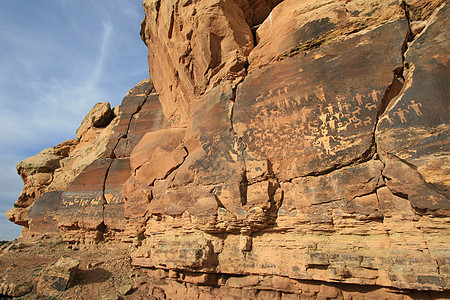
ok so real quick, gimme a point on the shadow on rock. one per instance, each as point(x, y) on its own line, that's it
point(96, 275)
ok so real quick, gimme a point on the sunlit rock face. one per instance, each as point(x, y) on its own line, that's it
point(283, 149)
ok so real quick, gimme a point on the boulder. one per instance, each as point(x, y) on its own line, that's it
point(57, 277)
point(99, 116)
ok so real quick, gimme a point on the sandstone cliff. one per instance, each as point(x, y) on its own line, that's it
point(283, 148)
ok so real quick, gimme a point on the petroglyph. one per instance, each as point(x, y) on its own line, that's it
point(308, 118)
point(359, 98)
point(82, 199)
point(416, 108)
point(402, 113)
point(389, 119)
point(368, 121)
point(374, 95)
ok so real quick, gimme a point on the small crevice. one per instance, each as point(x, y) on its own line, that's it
point(364, 157)
point(438, 267)
point(219, 203)
point(243, 187)
point(405, 7)
point(172, 21)
point(398, 79)
point(242, 146)
point(255, 40)
point(101, 229)
point(124, 136)
point(175, 167)
point(391, 92)
point(157, 7)
point(328, 201)
point(113, 156)
point(379, 206)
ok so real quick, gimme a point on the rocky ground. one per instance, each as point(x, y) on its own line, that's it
point(104, 270)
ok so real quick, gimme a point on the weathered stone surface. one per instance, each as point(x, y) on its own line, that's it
point(57, 277)
point(170, 251)
point(158, 154)
point(99, 116)
point(300, 151)
point(301, 26)
point(206, 42)
point(321, 110)
point(413, 131)
point(77, 185)
point(43, 213)
point(83, 202)
point(14, 289)
point(148, 117)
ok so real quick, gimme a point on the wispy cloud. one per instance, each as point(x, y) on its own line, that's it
point(57, 59)
point(97, 71)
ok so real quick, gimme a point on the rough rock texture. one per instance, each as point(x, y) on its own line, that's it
point(76, 187)
point(57, 277)
point(300, 149)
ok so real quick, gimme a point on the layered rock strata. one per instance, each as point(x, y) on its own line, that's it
point(75, 188)
point(295, 147)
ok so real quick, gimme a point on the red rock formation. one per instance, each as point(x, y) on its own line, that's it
point(302, 152)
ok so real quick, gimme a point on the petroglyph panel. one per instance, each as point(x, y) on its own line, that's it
point(311, 112)
point(415, 125)
point(82, 203)
point(82, 199)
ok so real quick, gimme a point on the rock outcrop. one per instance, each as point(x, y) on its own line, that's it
point(298, 148)
point(57, 277)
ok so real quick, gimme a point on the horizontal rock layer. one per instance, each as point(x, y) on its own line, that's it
point(287, 146)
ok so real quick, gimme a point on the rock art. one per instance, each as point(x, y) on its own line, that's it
point(282, 150)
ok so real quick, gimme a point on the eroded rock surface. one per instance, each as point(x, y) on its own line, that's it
point(298, 148)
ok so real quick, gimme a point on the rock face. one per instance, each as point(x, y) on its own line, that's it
point(298, 148)
point(75, 188)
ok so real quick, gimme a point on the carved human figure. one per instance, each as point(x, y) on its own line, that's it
point(346, 106)
point(323, 117)
point(416, 108)
point(374, 95)
point(401, 114)
point(332, 124)
point(359, 98)
point(325, 140)
point(330, 109)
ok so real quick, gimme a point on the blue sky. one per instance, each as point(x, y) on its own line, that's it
point(57, 59)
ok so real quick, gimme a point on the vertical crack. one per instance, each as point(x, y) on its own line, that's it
point(398, 80)
point(125, 135)
point(241, 147)
point(102, 228)
point(243, 187)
